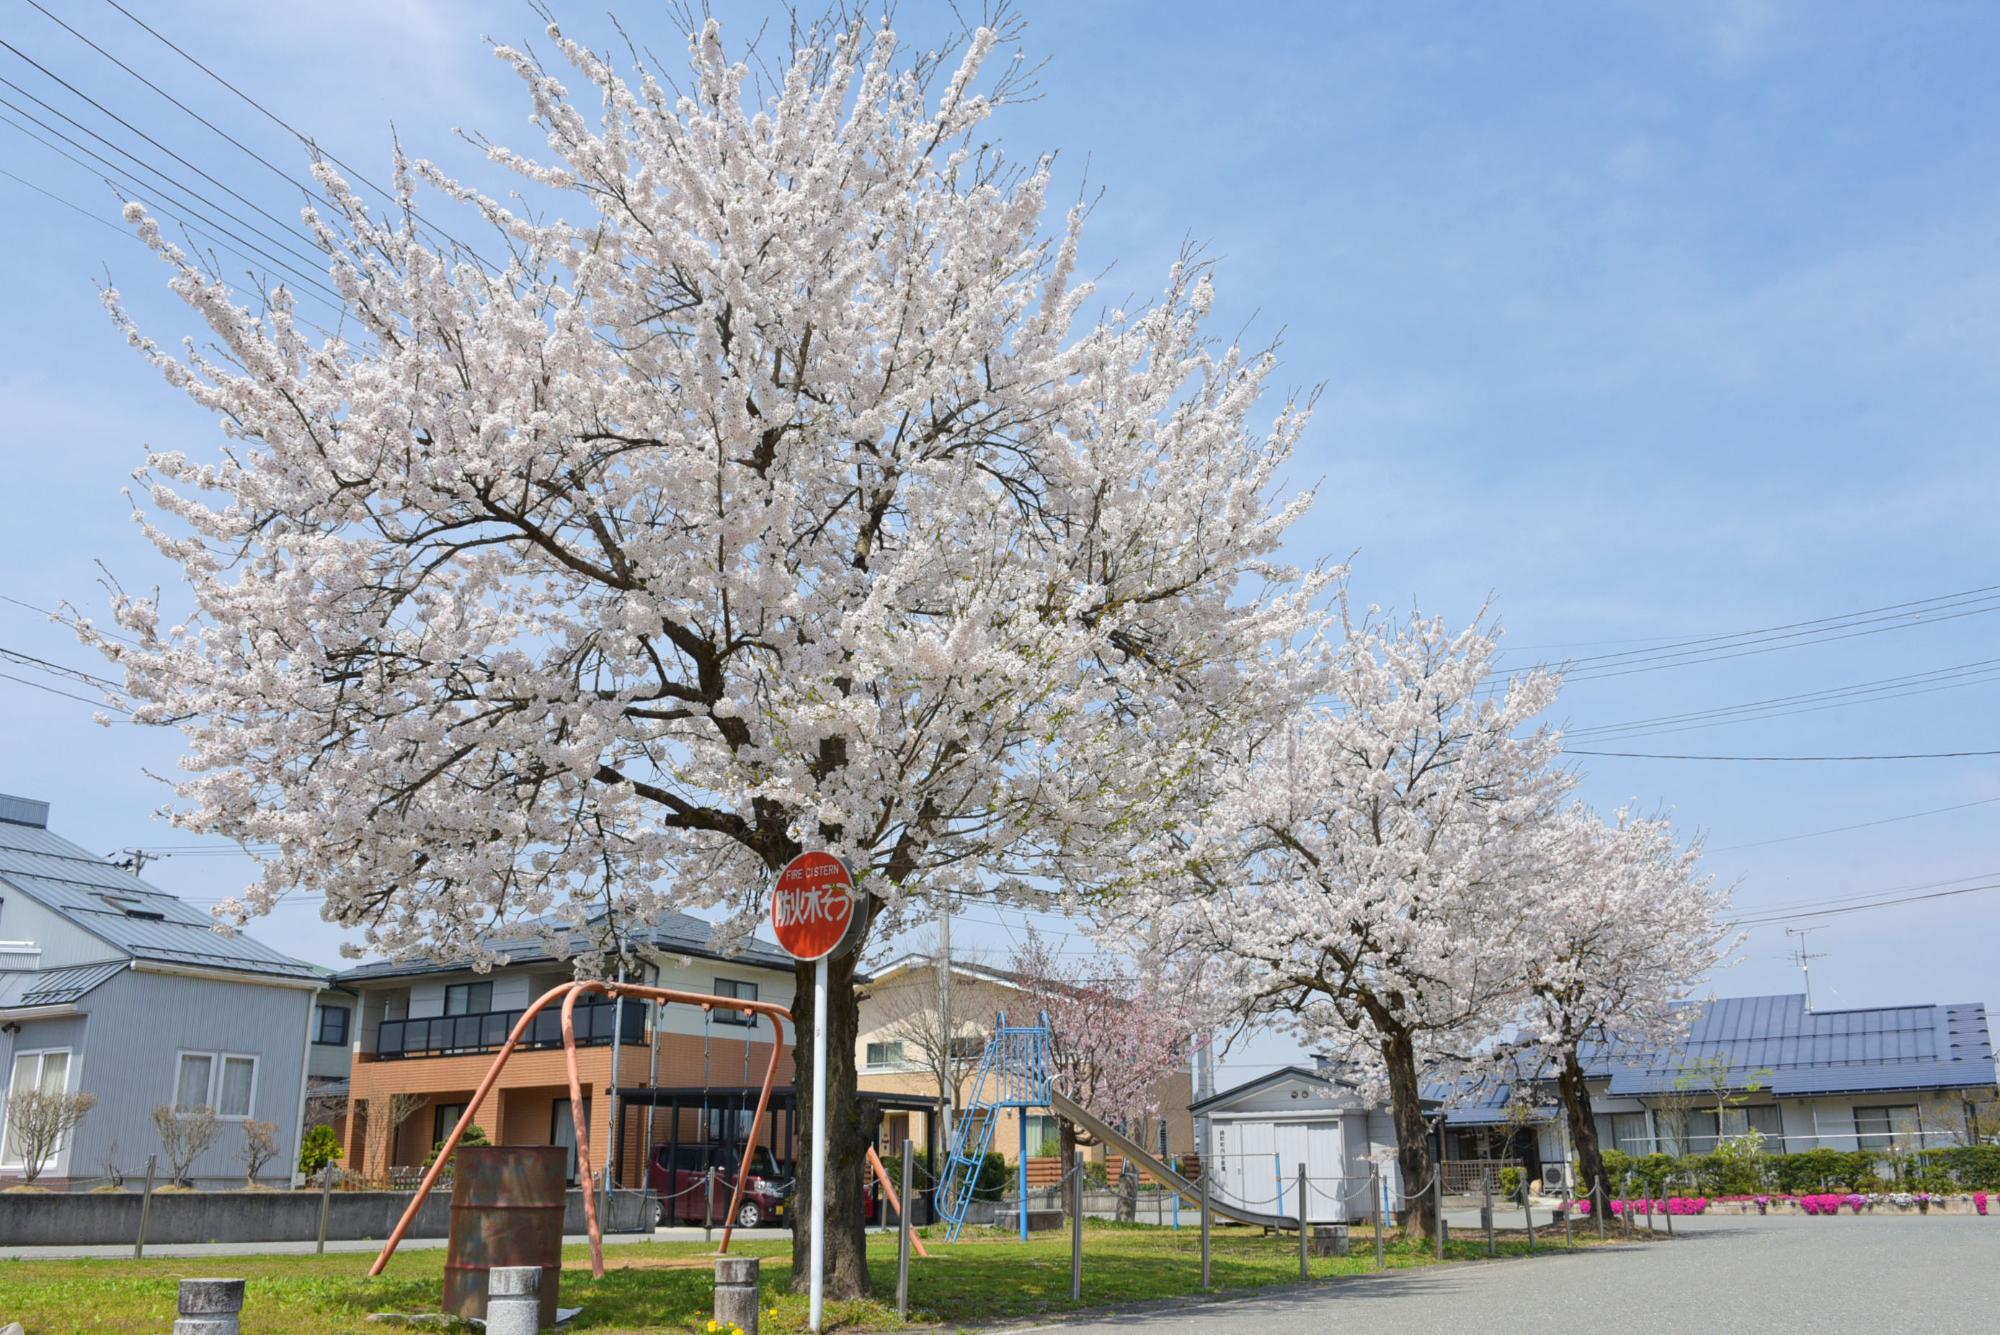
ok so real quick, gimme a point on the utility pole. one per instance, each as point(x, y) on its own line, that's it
point(1805, 960)
point(135, 859)
point(950, 1089)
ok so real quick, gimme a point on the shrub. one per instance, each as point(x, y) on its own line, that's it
point(474, 1135)
point(1825, 1170)
point(1970, 1167)
point(1510, 1183)
point(992, 1183)
point(320, 1150)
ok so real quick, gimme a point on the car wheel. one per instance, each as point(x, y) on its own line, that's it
point(750, 1215)
point(659, 1214)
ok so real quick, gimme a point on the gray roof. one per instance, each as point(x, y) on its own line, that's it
point(1790, 1052)
point(121, 910)
point(676, 934)
point(55, 987)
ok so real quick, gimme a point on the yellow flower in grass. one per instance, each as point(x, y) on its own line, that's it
point(713, 1326)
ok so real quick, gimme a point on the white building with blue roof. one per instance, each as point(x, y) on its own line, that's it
point(1889, 1078)
point(111, 987)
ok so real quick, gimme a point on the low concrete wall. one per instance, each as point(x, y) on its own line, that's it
point(112, 1218)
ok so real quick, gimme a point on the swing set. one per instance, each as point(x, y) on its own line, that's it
point(567, 994)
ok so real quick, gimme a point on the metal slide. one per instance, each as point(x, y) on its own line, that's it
point(1167, 1177)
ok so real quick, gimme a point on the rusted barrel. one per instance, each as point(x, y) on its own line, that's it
point(506, 1210)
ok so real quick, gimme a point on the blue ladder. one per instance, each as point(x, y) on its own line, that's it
point(1013, 1073)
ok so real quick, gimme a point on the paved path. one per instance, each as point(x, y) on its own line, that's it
point(1868, 1275)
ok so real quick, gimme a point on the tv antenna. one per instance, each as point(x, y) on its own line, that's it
point(1804, 959)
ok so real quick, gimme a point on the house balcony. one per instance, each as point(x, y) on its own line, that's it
point(485, 1031)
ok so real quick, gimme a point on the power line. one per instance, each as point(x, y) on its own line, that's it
point(1859, 825)
point(168, 183)
point(1912, 755)
point(275, 119)
point(77, 674)
point(67, 695)
point(1889, 688)
point(1824, 901)
point(58, 617)
point(1863, 908)
point(101, 222)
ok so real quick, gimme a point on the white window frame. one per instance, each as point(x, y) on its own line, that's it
point(214, 1100)
point(901, 1061)
point(60, 1161)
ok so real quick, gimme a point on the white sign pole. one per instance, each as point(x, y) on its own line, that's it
point(818, 1236)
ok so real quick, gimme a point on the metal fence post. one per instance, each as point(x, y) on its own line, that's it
point(1076, 1233)
point(1381, 1190)
point(1486, 1190)
point(903, 1237)
point(1437, 1203)
point(1303, 1271)
point(1569, 1209)
point(1528, 1214)
point(145, 1208)
point(1204, 1225)
point(707, 1203)
point(325, 1205)
point(1667, 1202)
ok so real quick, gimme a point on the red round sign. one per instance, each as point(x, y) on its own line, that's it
point(813, 905)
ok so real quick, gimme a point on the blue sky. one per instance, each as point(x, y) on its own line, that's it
point(1650, 321)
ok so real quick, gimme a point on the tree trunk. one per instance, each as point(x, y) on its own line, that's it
point(1128, 1192)
point(848, 1135)
point(1418, 1217)
point(1583, 1130)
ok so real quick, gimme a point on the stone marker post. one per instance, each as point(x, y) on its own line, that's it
point(738, 1281)
point(513, 1300)
point(145, 1209)
point(210, 1307)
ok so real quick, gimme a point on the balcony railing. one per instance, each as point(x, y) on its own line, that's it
point(485, 1031)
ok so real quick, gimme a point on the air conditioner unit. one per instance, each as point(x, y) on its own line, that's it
point(1556, 1178)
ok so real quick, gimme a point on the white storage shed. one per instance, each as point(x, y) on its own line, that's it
point(1260, 1132)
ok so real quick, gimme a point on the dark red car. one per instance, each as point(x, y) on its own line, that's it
point(677, 1180)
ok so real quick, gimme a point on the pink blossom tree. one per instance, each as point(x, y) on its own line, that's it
point(1116, 1031)
point(771, 490)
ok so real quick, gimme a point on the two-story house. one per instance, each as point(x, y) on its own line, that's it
point(423, 1036)
point(111, 987)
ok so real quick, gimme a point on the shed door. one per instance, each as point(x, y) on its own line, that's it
point(1316, 1145)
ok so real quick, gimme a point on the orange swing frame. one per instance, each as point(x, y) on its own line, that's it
point(569, 992)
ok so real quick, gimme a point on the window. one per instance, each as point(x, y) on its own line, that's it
point(443, 1118)
point(468, 998)
point(730, 1126)
point(46, 1071)
point(1703, 1132)
point(226, 1082)
point(730, 987)
point(330, 1025)
point(885, 1054)
point(1888, 1128)
point(1767, 1122)
point(1044, 1135)
point(1629, 1134)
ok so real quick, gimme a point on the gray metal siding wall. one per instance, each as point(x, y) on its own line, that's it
point(141, 1022)
point(62, 941)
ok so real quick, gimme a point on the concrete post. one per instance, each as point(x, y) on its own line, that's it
point(1205, 1164)
point(1076, 1234)
point(210, 1307)
point(1305, 1228)
point(1486, 1190)
point(903, 1237)
point(708, 1202)
point(1569, 1229)
point(325, 1205)
point(738, 1284)
point(514, 1300)
point(145, 1208)
point(1600, 1206)
point(1528, 1214)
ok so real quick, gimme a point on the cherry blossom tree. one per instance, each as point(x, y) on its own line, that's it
point(772, 490)
point(1116, 1031)
point(1628, 927)
point(1369, 866)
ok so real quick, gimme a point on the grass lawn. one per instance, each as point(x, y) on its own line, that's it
point(668, 1286)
